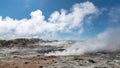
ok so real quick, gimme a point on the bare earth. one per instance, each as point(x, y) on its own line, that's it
point(32, 56)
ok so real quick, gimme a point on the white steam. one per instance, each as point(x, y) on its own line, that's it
point(108, 41)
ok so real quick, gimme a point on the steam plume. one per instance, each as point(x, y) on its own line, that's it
point(108, 41)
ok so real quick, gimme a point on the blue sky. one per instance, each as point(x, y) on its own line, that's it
point(21, 8)
point(102, 15)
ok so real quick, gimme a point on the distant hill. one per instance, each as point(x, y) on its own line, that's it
point(21, 42)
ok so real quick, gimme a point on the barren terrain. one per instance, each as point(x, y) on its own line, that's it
point(30, 53)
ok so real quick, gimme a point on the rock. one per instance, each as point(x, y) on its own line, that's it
point(81, 64)
point(91, 61)
point(99, 67)
point(16, 66)
point(40, 66)
point(77, 58)
point(26, 62)
point(16, 57)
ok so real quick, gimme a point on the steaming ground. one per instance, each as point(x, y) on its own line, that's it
point(107, 41)
point(37, 53)
point(103, 51)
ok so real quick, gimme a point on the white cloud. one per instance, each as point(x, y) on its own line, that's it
point(115, 14)
point(62, 21)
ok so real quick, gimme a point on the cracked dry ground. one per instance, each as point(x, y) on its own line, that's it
point(91, 60)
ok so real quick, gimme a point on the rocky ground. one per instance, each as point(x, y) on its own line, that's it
point(29, 53)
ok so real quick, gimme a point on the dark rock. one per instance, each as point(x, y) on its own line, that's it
point(16, 66)
point(26, 62)
point(91, 61)
point(40, 66)
point(99, 67)
point(77, 58)
point(81, 64)
point(16, 56)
